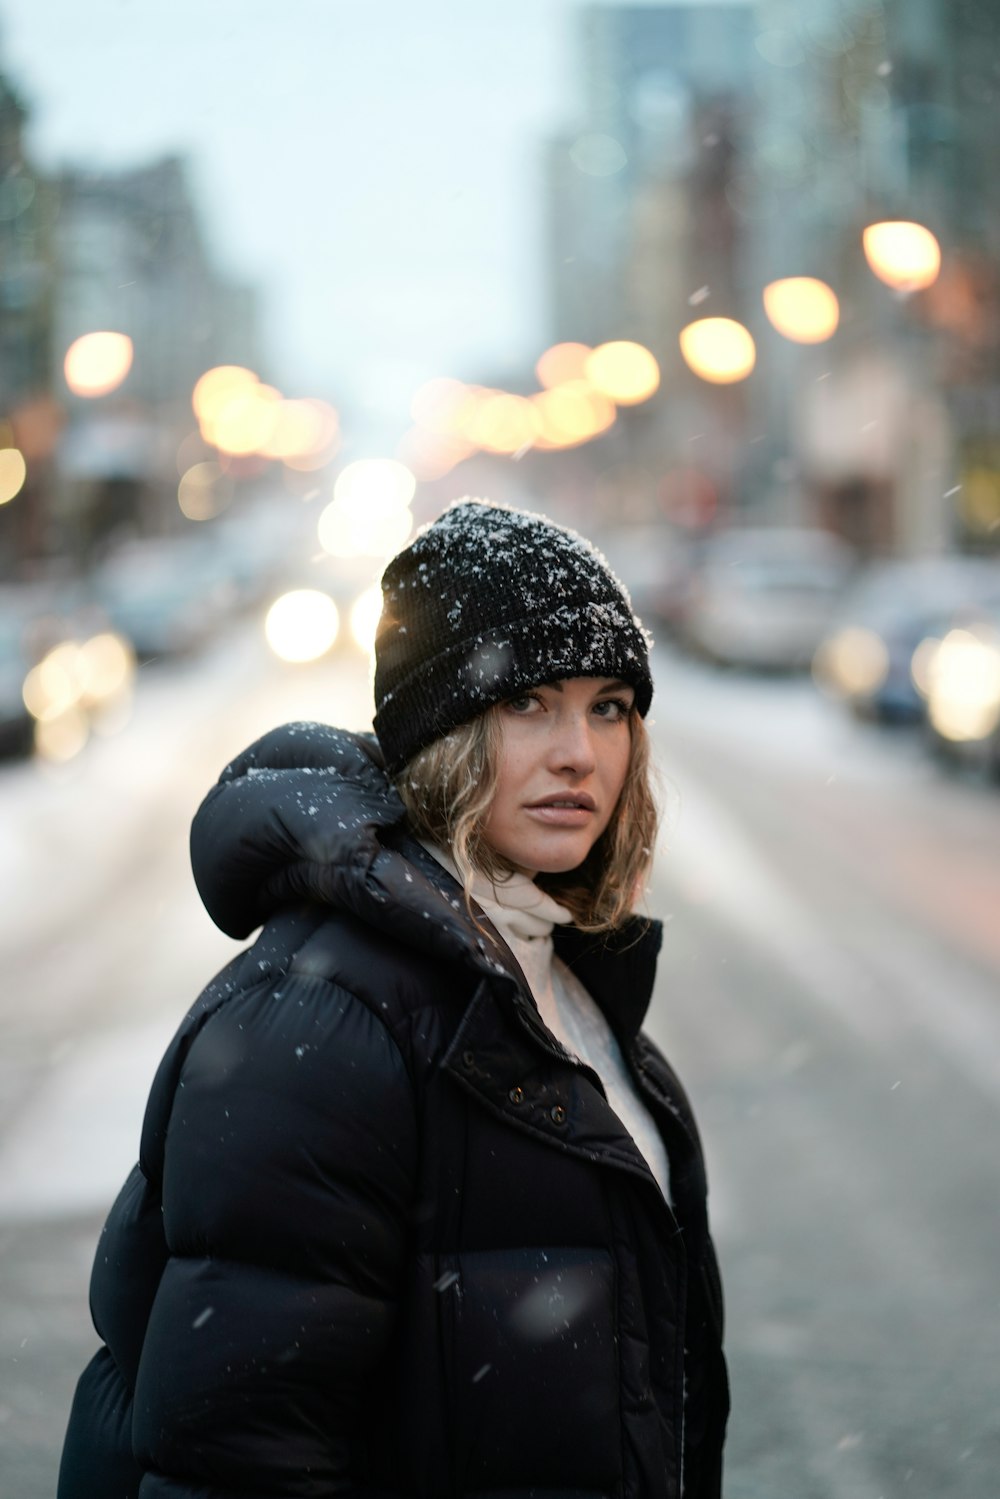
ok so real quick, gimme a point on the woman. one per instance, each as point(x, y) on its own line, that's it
point(419, 1209)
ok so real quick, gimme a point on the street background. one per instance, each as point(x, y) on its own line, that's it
point(828, 990)
point(717, 284)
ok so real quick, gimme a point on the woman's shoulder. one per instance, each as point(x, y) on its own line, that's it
point(317, 965)
point(321, 1000)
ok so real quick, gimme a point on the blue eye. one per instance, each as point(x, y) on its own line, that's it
point(522, 703)
point(613, 708)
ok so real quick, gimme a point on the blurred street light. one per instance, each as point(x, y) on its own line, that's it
point(365, 614)
point(13, 472)
point(61, 739)
point(75, 687)
point(97, 363)
point(625, 372)
point(107, 668)
point(443, 405)
point(852, 663)
point(802, 309)
point(302, 625)
point(904, 255)
point(304, 435)
point(349, 532)
point(572, 413)
point(245, 422)
point(963, 698)
point(217, 386)
point(204, 491)
point(504, 423)
point(370, 513)
point(383, 483)
point(718, 349)
point(561, 363)
point(429, 454)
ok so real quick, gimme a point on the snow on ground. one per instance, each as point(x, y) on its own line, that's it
point(783, 720)
point(67, 830)
point(73, 1146)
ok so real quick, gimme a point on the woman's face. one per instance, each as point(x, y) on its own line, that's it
point(564, 755)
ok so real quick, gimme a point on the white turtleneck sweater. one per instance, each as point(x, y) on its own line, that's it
point(524, 915)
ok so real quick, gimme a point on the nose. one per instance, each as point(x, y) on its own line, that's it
point(571, 745)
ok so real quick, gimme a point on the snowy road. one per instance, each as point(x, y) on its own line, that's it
point(830, 989)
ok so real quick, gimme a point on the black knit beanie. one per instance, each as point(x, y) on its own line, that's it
point(484, 603)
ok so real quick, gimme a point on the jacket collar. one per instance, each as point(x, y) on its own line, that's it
point(307, 814)
point(617, 968)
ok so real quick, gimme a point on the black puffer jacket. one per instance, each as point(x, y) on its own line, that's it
point(385, 1237)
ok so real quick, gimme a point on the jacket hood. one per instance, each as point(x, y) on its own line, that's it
point(307, 815)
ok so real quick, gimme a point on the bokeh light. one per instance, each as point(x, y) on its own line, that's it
point(504, 423)
point(561, 363)
point(852, 663)
point(718, 349)
point(443, 405)
point(204, 491)
point(920, 664)
point(365, 613)
point(244, 423)
point(76, 676)
point(430, 455)
point(625, 372)
point(106, 668)
point(349, 530)
point(906, 256)
point(216, 387)
point(963, 698)
point(384, 483)
point(302, 625)
point(572, 413)
point(59, 739)
point(55, 685)
point(304, 435)
point(13, 473)
point(97, 363)
point(369, 515)
point(802, 309)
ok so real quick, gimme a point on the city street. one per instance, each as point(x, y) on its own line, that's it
point(829, 990)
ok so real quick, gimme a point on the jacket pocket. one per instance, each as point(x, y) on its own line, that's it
point(534, 1357)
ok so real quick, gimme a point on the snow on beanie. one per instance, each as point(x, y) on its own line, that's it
point(484, 603)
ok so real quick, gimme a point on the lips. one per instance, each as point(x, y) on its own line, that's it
point(571, 800)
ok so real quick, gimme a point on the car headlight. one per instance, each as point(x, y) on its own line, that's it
point(963, 699)
point(302, 625)
point(365, 613)
point(852, 663)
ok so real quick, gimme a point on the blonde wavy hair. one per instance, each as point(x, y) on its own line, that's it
point(448, 789)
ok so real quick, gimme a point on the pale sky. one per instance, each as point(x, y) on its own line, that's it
point(374, 165)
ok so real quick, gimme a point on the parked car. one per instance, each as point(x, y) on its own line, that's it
point(656, 563)
point(764, 597)
point(165, 595)
point(867, 658)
